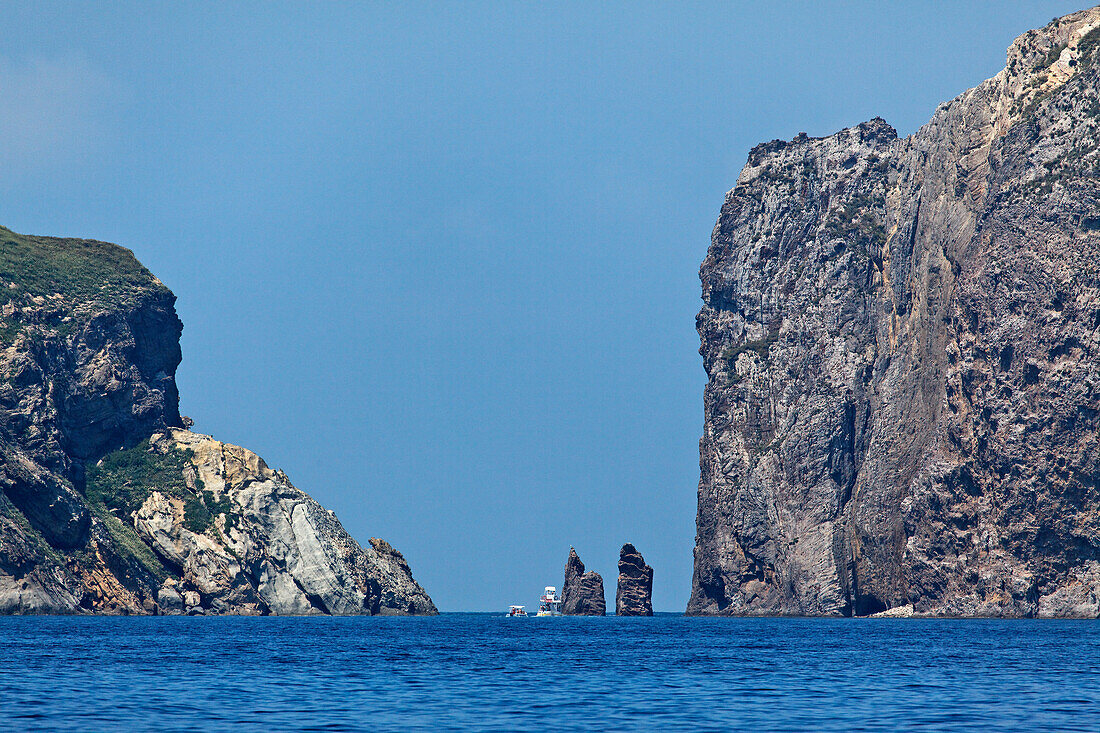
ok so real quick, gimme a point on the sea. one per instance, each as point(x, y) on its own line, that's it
point(486, 672)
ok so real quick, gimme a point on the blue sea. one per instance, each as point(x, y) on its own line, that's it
point(486, 672)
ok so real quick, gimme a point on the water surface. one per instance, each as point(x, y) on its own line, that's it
point(481, 671)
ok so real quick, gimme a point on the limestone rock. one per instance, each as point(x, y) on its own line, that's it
point(169, 600)
point(582, 592)
point(389, 572)
point(634, 596)
point(900, 338)
point(271, 548)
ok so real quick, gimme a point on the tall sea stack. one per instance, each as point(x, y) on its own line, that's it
point(902, 342)
point(634, 596)
point(582, 593)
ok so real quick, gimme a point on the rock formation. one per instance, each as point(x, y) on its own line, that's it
point(901, 338)
point(582, 593)
point(107, 504)
point(634, 596)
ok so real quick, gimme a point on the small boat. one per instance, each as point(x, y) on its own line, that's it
point(549, 604)
point(516, 612)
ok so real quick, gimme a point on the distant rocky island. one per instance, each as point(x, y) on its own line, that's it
point(583, 595)
point(108, 503)
point(902, 340)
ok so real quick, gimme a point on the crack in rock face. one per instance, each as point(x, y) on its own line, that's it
point(900, 337)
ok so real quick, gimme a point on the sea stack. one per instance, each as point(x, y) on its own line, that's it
point(635, 594)
point(582, 593)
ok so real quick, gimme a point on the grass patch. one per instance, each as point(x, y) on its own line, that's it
point(81, 270)
point(127, 542)
point(201, 509)
point(9, 330)
point(123, 480)
point(121, 483)
point(196, 517)
point(12, 512)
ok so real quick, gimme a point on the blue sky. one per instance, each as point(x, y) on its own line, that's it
point(439, 261)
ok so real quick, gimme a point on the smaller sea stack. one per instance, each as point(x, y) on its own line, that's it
point(635, 594)
point(582, 593)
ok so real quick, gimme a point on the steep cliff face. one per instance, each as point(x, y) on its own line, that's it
point(582, 592)
point(901, 342)
point(634, 592)
point(107, 504)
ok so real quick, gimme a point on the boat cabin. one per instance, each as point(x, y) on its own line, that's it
point(550, 604)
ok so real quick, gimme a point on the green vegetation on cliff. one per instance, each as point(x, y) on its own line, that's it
point(123, 480)
point(120, 484)
point(80, 270)
point(74, 276)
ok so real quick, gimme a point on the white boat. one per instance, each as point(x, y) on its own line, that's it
point(516, 612)
point(549, 604)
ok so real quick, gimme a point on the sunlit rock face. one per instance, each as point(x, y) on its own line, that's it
point(107, 504)
point(901, 338)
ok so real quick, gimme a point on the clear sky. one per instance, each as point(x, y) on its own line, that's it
point(439, 261)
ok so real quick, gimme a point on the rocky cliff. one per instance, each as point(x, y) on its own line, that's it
point(107, 504)
point(634, 594)
point(582, 592)
point(901, 338)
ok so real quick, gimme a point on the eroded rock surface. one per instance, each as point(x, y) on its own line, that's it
point(901, 342)
point(107, 505)
point(271, 548)
point(634, 596)
point(582, 592)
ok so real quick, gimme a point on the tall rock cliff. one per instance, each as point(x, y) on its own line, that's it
point(901, 338)
point(582, 593)
point(634, 593)
point(107, 504)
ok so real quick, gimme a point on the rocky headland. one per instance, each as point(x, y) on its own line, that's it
point(634, 595)
point(108, 504)
point(582, 592)
point(901, 338)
